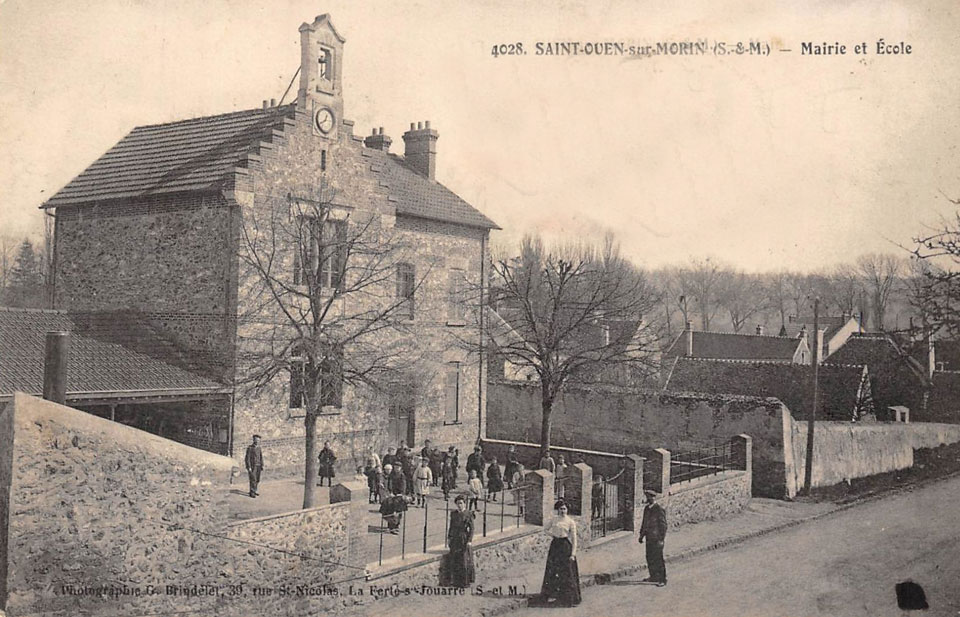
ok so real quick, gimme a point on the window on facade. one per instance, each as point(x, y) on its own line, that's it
point(451, 390)
point(322, 251)
point(457, 304)
point(331, 378)
point(406, 287)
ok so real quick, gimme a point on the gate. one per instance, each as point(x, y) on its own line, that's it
point(609, 506)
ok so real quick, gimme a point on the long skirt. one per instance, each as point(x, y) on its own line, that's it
point(561, 579)
point(456, 568)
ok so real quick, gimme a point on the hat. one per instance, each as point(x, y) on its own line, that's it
point(388, 467)
point(257, 436)
point(649, 493)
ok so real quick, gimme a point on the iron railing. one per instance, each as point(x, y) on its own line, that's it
point(699, 462)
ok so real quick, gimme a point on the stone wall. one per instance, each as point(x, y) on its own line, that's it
point(604, 463)
point(636, 422)
point(6, 472)
point(843, 451)
point(108, 520)
point(707, 498)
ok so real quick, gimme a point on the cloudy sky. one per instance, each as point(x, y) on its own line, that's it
point(785, 161)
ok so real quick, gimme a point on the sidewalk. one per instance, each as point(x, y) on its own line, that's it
point(614, 557)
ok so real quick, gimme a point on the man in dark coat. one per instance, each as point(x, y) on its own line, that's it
point(328, 461)
point(254, 463)
point(475, 463)
point(654, 529)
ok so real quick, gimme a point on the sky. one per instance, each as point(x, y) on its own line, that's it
point(786, 161)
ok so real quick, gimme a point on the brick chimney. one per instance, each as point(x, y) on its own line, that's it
point(420, 149)
point(688, 339)
point(378, 141)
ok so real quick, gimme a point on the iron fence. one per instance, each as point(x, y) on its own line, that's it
point(699, 462)
point(609, 505)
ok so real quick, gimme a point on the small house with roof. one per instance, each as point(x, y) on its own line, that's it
point(150, 238)
point(834, 331)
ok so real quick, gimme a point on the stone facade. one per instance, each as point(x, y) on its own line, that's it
point(293, 167)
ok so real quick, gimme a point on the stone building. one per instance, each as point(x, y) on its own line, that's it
point(157, 233)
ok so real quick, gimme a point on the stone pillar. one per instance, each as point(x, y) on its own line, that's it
point(579, 483)
point(538, 497)
point(354, 492)
point(658, 468)
point(633, 489)
point(742, 450)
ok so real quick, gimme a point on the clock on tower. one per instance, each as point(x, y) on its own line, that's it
point(321, 61)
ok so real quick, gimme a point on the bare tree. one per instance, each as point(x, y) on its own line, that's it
point(327, 296)
point(701, 277)
point(882, 274)
point(572, 314)
point(936, 285)
point(24, 286)
point(742, 295)
point(845, 286)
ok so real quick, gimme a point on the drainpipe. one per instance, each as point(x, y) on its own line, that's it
point(483, 263)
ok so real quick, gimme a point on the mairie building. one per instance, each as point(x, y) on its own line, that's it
point(150, 246)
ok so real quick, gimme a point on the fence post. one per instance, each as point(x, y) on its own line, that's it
point(741, 450)
point(538, 496)
point(660, 471)
point(633, 486)
point(579, 483)
point(353, 492)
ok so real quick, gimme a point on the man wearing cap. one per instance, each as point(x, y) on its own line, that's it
point(254, 463)
point(654, 529)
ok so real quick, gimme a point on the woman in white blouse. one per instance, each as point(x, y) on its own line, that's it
point(561, 579)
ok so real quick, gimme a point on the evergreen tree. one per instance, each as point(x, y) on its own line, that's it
point(25, 285)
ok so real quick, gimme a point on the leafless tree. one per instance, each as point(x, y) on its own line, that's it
point(701, 277)
point(936, 293)
point(327, 294)
point(742, 296)
point(572, 314)
point(882, 274)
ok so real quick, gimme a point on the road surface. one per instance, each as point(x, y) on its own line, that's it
point(844, 564)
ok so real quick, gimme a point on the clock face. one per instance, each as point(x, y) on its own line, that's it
point(324, 120)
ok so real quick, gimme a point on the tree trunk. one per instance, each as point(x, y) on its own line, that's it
point(547, 408)
point(313, 464)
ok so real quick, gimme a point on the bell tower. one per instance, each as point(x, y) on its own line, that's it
point(321, 72)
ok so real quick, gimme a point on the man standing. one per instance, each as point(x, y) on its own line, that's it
point(654, 529)
point(475, 462)
point(254, 464)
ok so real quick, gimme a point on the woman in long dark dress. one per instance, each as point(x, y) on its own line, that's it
point(459, 567)
point(494, 479)
point(561, 578)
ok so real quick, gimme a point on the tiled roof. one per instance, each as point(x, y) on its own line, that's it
point(727, 345)
point(896, 378)
point(200, 154)
point(193, 155)
point(841, 394)
point(417, 195)
point(93, 366)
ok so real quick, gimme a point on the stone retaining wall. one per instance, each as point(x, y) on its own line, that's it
point(708, 498)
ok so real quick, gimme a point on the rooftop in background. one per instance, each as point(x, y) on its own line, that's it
point(200, 155)
point(731, 346)
point(844, 389)
point(96, 368)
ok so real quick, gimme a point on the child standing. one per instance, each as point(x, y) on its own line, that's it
point(424, 480)
point(476, 489)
